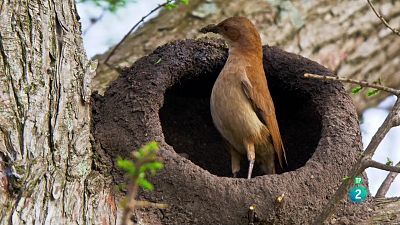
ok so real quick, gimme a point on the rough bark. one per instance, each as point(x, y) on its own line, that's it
point(47, 170)
point(345, 36)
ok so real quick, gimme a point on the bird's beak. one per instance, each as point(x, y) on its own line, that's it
point(210, 28)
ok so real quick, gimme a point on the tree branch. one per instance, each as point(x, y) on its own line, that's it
point(383, 189)
point(378, 165)
point(361, 83)
point(395, 31)
point(396, 120)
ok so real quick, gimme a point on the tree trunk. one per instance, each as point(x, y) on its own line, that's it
point(47, 171)
point(344, 36)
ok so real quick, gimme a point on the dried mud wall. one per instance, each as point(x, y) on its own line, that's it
point(165, 97)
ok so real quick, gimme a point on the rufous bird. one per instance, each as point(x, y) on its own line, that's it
point(241, 105)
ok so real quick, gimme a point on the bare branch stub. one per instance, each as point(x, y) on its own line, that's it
point(384, 188)
point(395, 31)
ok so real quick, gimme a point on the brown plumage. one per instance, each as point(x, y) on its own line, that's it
point(241, 105)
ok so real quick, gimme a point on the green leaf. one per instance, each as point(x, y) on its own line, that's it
point(372, 92)
point(389, 162)
point(345, 178)
point(153, 167)
point(145, 184)
point(185, 2)
point(150, 147)
point(126, 165)
point(170, 6)
point(356, 89)
point(146, 151)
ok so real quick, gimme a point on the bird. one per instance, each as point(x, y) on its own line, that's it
point(241, 105)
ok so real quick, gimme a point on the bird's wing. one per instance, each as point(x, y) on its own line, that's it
point(261, 100)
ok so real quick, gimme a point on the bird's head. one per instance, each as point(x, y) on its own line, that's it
point(237, 31)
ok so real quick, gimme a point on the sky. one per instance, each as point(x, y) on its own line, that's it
point(388, 148)
point(112, 27)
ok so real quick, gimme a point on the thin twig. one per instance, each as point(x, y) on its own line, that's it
point(359, 166)
point(133, 28)
point(130, 206)
point(384, 188)
point(395, 31)
point(133, 189)
point(361, 83)
point(382, 166)
point(132, 192)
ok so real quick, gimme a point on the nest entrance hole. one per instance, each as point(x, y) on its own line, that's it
point(187, 126)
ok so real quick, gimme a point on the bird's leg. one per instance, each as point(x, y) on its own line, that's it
point(251, 156)
point(235, 161)
point(251, 165)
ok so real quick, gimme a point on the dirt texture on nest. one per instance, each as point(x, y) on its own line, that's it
point(165, 97)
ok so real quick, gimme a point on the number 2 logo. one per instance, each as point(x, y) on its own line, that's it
point(358, 194)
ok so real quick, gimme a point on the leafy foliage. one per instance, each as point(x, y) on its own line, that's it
point(145, 162)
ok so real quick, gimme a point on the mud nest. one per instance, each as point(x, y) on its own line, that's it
point(165, 97)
